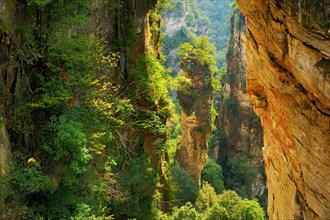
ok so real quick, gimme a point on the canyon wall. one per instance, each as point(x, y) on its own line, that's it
point(288, 51)
point(238, 124)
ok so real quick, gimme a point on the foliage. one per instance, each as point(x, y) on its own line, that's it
point(186, 212)
point(249, 210)
point(218, 31)
point(217, 212)
point(80, 150)
point(182, 84)
point(206, 199)
point(84, 212)
point(229, 199)
point(212, 174)
point(240, 175)
point(39, 3)
point(138, 180)
point(66, 142)
point(226, 206)
point(187, 188)
point(202, 52)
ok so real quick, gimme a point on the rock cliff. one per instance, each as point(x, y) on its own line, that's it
point(288, 51)
point(237, 122)
point(11, 76)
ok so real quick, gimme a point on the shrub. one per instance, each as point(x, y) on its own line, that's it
point(229, 199)
point(212, 173)
point(186, 212)
point(206, 199)
point(248, 210)
point(217, 212)
point(187, 188)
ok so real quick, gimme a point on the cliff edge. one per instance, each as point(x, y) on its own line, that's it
point(288, 82)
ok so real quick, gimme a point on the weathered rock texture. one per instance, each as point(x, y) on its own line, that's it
point(195, 120)
point(288, 51)
point(180, 22)
point(237, 121)
point(9, 85)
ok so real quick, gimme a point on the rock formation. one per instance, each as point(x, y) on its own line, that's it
point(288, 51)
point(195, 116)
point(237, 121)
point(9, 72)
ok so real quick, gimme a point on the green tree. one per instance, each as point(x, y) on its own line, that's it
point(217, 212)
point(240, 175)
point(248, 210)
point(187, 188)
point(138, 181)
point(206, 199)
point(212, 173)
point(186, 212)
point(228, 200)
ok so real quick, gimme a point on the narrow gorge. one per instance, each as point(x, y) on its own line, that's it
point(164, 109)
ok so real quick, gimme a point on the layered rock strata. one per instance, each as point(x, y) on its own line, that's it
point(237, 121)
point(195, 119)
point(288, 51)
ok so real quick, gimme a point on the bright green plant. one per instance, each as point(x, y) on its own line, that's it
point(182, 84)
point(67, 146)
point(217, 212)
point(29, 180)
point(248, 210)
point(229, 199)
point(186, 212)
point(206, 199)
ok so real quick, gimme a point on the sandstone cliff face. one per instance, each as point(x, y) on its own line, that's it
point(195, 120)
point(237, 121)
point(288, 51)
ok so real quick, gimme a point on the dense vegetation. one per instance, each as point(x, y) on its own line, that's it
point(91, 141)
point(218, 16)
point(84, 149)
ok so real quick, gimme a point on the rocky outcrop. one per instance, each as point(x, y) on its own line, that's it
point(175, 19)
point(237, 122)
point(182, 20)
point(8, 77)
point(288, 51)
point(195, 119)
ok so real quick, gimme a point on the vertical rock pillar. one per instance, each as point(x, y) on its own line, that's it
point(195, 119)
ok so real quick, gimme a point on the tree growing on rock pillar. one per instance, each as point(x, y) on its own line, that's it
point(195, 91)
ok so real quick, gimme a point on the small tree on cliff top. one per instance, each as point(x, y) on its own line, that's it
point(201, 52)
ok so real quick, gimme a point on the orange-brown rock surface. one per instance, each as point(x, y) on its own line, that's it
point(288, 51)
point(195, 120)
point(238, 124)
